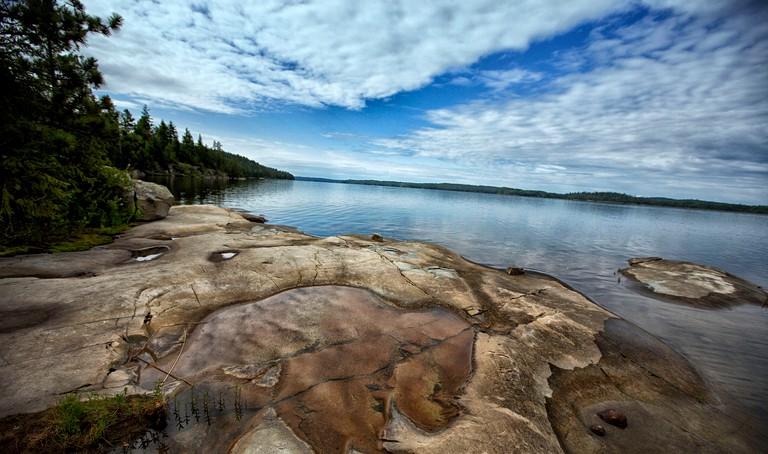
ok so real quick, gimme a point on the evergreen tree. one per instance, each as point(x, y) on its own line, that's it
point(52, 128)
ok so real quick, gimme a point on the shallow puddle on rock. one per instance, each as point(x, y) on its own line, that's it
point(149, 253)
point(331, 362)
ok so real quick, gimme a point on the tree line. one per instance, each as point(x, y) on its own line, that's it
point(157, 149)
point(61, 146)
point(601, 197)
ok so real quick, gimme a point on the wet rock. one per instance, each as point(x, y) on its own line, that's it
point(641, 260)
point(221, 256)
point(149, 253)
point(613, 417)
point(259, 219)
point(515, 271)
point(691, 284)
point(597, 429)
point(377, 237)
point(671, 407)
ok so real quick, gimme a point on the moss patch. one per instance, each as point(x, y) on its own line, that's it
point(94, 424)
point(78, 241)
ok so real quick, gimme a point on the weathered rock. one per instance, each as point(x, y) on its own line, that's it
point(343, 344)
point(152, 200)
point(257, 218)
point(670, 407)
point(597, 429)
point(613, 417)
point(692, 284)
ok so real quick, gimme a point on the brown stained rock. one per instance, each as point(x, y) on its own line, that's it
point(613, 417)
point(341, 363)
point(426, 385)
point(344, 344)
point(692, 284)
point(598, 429)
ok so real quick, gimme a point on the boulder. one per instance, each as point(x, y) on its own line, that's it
point(152, 200)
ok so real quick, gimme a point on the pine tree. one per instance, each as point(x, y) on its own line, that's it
point(52, 128)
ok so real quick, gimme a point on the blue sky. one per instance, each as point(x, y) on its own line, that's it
point(651, 98)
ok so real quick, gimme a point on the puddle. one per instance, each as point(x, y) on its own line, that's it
point(333, 363)
point(149, 253)
point(222, 256)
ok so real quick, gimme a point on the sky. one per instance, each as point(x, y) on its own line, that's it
point(655, 98)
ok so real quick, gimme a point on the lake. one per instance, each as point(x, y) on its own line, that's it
point(581, 243)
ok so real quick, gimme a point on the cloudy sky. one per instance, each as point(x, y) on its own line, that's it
point(652, 97)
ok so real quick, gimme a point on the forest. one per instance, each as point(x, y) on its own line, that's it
point(601, 197)
point(64, 152)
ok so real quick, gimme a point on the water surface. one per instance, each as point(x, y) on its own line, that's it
point(580, 243)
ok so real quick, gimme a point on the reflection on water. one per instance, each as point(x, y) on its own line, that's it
point(581, 243)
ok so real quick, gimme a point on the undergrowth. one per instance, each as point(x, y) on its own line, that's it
point(90, 424)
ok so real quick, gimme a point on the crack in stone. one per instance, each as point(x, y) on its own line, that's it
point(317, 267)
point(195, 293)
point(116, 319)
point(385, 258)
point(646, 370)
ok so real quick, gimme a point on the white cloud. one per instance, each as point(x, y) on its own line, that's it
point(228, 56)
point(669, 105)
point(675, 104)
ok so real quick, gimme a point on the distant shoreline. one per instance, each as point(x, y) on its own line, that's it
point(595, 197)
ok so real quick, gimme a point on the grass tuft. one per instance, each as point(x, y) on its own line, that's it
point(92, 424)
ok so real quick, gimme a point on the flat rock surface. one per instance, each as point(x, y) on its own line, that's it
point(692, 283)
point(265, 339)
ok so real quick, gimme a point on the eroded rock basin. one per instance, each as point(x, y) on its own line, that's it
point(332, 363)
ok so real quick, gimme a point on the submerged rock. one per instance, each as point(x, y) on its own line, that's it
point(598, 429)
point(613, 417)
point(343, 344)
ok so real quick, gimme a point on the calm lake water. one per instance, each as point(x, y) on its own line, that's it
point(583, 244)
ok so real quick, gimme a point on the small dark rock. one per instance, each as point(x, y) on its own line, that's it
point(597, 429)
point(377, 237)
point(514, 271)
point(639, 260)
point(613, 417)
point(259, 219)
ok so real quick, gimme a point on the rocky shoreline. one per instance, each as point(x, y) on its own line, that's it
point(345, 344)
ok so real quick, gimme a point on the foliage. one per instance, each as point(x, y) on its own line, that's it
point(88, 424)
point(53, 171)
point(61, 147)
point(157, 149)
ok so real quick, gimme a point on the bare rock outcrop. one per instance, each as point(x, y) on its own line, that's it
point(692, 284)
point(343, 344)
